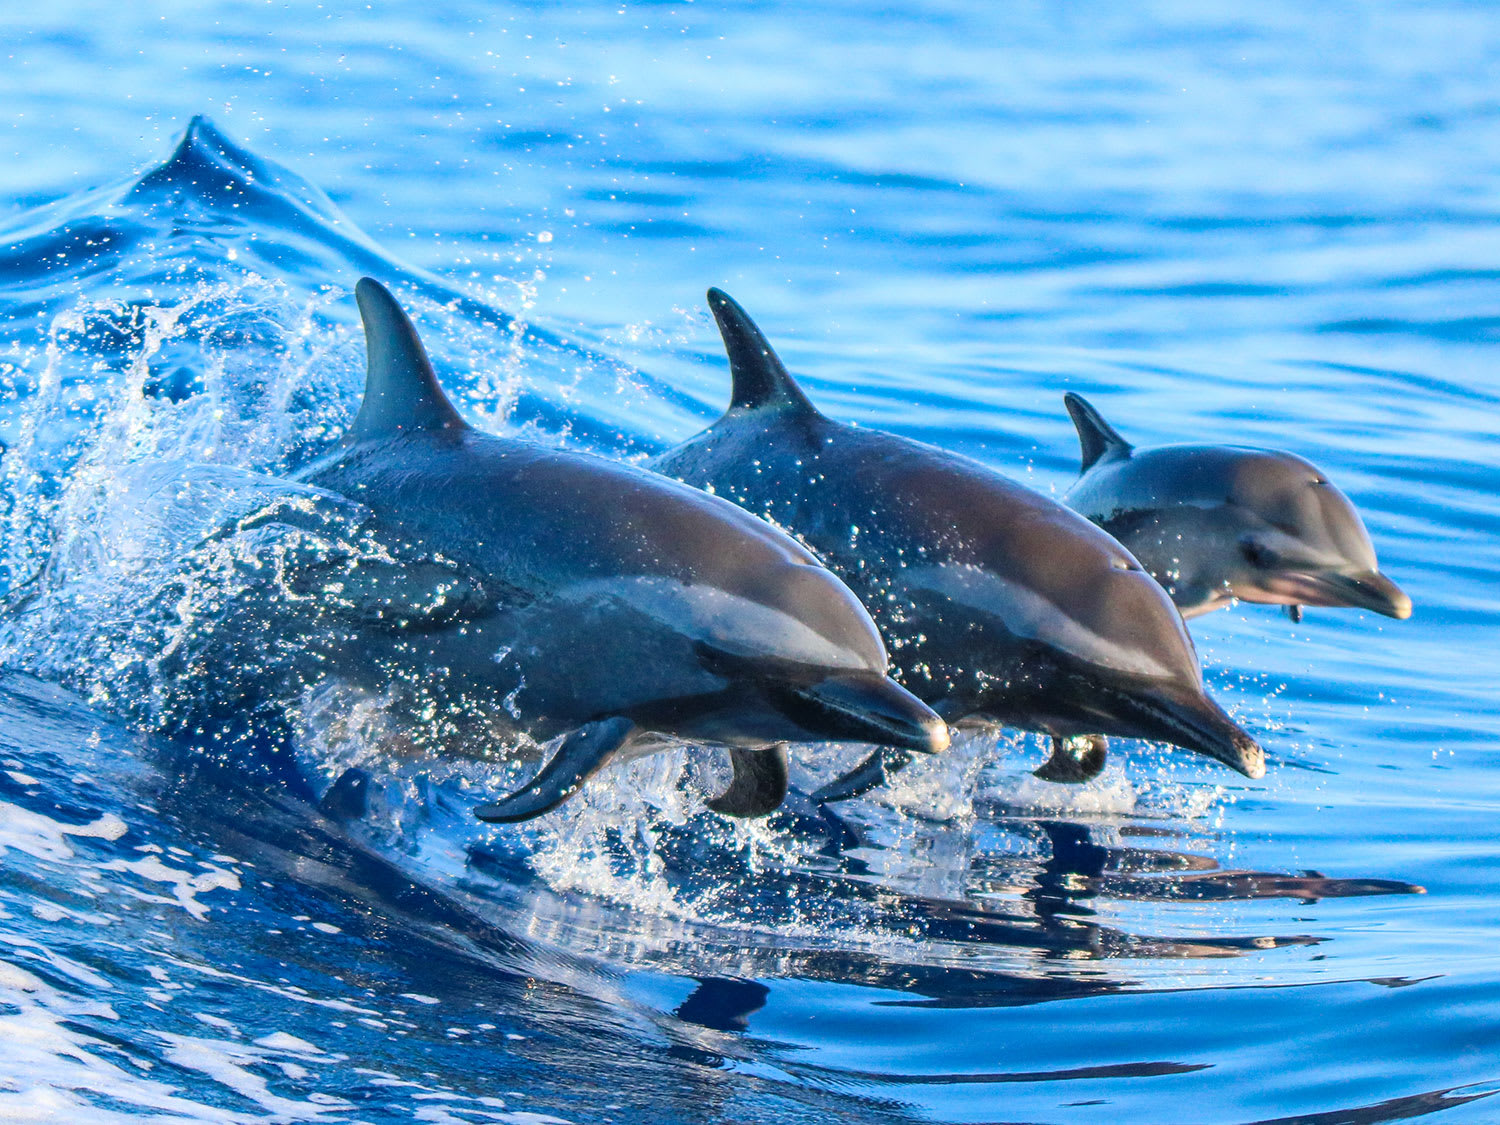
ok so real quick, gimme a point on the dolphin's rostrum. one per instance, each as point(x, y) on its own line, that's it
point(503, 585)
point(1217, 522)
point(995, 600)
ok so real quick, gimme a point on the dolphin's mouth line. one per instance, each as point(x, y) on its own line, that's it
point(1201, 726)
point(1369, 590)
point(866, 708)
point(897, 735)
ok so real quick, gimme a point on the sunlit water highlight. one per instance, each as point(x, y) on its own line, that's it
point(1212, 227)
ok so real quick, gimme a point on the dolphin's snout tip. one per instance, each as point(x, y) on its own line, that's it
point(1223, 740)
point(1195, 722)
point(1211, 731)
point(1374, 591)
point(867, 707)
point(1398, 601)
point(1369, 590)
point(938, 736)
point(1250, 759)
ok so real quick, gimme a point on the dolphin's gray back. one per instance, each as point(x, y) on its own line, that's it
point(549, 524)
point(887, 500)
point(923, 534)
point(1199, 475)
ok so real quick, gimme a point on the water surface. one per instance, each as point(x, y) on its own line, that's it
point(1274, 227)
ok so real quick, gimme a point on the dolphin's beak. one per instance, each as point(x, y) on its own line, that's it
point(1370, 590)
point(1195, 722)
point(866, 707)
point(1367, 589)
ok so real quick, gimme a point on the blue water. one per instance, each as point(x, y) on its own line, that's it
point(1276, 226)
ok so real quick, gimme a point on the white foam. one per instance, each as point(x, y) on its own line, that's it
point(186, 885)
point(54, 1070)
point(42, 837)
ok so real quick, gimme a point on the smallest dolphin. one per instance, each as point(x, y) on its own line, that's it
point(1216, 522)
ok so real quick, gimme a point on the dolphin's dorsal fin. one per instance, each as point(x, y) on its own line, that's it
point(401, 389)
point(760, 380)
point(1097, 439)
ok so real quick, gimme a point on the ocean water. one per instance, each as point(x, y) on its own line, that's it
point(1275, 225)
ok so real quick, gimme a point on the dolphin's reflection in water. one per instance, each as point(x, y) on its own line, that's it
point(726, 970)
point(1009, 929)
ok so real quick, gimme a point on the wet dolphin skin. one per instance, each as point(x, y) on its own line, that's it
point(995, 600)
point(1218, 522)
point(555, 593)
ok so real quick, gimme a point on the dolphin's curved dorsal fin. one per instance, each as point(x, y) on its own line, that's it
point(760, 380)
point(401, 389)
point(1096, 438)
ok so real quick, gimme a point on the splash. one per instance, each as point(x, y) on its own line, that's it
point(183, 341)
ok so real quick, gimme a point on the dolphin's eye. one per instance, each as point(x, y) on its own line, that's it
point(1257, 554)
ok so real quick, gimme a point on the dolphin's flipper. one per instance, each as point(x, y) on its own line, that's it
point(1295, 613)
point(394, 594)
point(1074, 760)
point(401, 389)
point(760, 380)
point(759, 784)
point(581, 755)
point(321, 550)
point(871, 773)
point(1097, 439)
point(347, 798)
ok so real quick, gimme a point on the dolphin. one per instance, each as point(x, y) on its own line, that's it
point(1217, 522)
point(496, 584)
point(996, 601)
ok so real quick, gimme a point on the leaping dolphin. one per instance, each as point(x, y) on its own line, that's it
point(995, 600)
point(492, 581)
point(1216, 522)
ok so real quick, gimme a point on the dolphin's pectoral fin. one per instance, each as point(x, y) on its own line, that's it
point(871, 773)
point(406, 595)
point(1097, 439)
point(582, 754)
point(759, 784)
point(1074, 760)
point(758, 377)
point(1295, 613)
point(347, 798)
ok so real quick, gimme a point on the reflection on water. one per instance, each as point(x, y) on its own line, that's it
point(945, 246)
